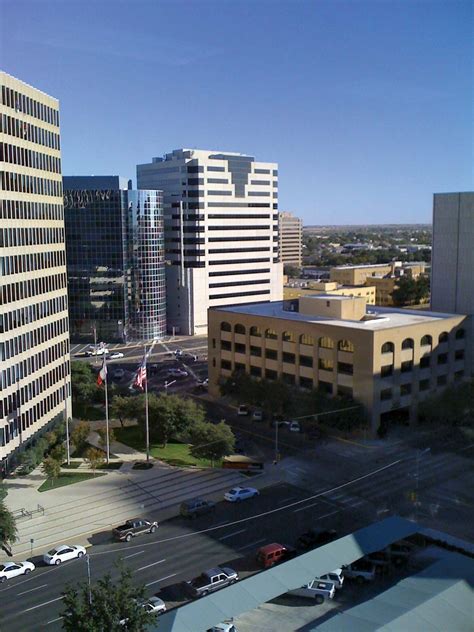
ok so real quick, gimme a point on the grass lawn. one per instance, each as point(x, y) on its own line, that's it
point(73, 465)
point(65, 478)
point(175, 453)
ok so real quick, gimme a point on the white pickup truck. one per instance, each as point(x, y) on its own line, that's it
point(317, 589)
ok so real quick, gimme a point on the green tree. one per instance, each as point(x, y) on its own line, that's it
point(58, 453)
point(102, 432)
point(8, 530)
point(122, 408)
point(79, 435)
point(405, 292)
point(210, 441)
point(95, 458)
point(292, 271)
point(107, 604)
point(51, 467)
point(83, 381)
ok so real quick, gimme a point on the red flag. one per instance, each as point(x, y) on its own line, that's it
point(140, 376)
point(102, 373)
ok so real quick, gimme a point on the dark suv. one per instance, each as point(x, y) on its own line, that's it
point(195, 507)
point(312, 538)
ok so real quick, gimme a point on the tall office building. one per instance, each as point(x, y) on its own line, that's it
point(115, 260)
point(291, 236)
point(34, 331)
point(452, 268)
point(221, 223)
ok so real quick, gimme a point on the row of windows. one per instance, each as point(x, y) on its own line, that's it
point(425, 362)
point(32, 262)
point(424, 385)
point(238, 228)
point(29, 417)
point(241, 205)
point(17, 237)
point(14, 127)
point(233, 262)
point(32, 313)
point(30, 366)
point(15, 155)
point(22, 103)
point(221, 251)
point(239, 294)
point(12, 209)
point(253, 238)
point(32, 287)
point(236, 283)
point(427, 340)
point(240, 216)
point(234, 272)
point(24, 342)
point(21, 183)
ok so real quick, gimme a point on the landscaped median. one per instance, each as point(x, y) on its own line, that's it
point(66, 478)
point(174, 453)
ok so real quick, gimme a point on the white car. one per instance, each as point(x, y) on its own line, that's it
point(63, 553)
point(257, 414)
point(336, 577)
point(226, 626)
point(236, 494)
point(243, 410)
point(12, 569)
point(116, 355)
point(177, 373)
point(317, 590)
point(153, 605)
point(295, 426)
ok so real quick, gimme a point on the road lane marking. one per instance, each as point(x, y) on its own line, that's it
point(246, 546)
point(142, 568)
point(307, 507)
point(40, 605)
point(230, 535)
point(162, 579)
point(133, 554)
point(286, 500)
point(54, 620)
point(31, 590)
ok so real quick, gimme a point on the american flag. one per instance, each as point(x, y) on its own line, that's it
point(102, 373)
point(140, 375)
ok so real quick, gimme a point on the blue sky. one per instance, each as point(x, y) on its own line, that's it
point(366, 106)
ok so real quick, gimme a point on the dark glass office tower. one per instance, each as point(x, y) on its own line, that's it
point(115, 260)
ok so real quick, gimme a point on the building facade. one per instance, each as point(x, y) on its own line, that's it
point(34, 330)
point(221, 223)
point(322, 287)
point(452, 269)
point(115, 260)
point(291, 236)
point(386, 359)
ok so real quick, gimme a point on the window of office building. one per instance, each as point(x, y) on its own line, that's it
point(326, 343)
point(408, 343)
point(407, 366)
point(441, 380)
point(288, 336)
point(306, 339)
point(306, 360)
point(344, 391)
point(325, 387)
point(388, 347)
point(424, 385)
point(226, 345)
point(443, 358)
point(459, 354)
point(271, 334)
point(443, 337)
point(386, 394)
point(255, 371)
point(426, 340)
point(255, 331)
point(289, 358)
point(306, 383)
point(288, 378)
point(425, 362)
point(270, 374)
point(239, 348)
point(226, 365)
point(325, 364)
point(345, 345)
point(345, 368)
point(255, 351)
point(405, 389)
point(386, 370)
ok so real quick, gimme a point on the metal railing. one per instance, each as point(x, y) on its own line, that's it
point(24, 513)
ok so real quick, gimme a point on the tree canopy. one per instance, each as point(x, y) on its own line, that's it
point(8, 530)
point(211, 441)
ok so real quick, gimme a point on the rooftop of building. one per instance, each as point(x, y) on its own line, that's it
point(376, 317)
point(28, 85)
point(361, 266)
point(189, 153)
point(83, 183)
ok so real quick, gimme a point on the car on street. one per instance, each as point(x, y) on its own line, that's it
point(211, 580)
point(243, 410)
point(317, 590)
point(336, 577)
point(236, 494)
point(294, 426)
point(196, 507)
point(313, 538)
point(132, 528)
point(116, 355)
point(13, 569)
point(178, 352)
point(257, 414)
point(280, 423)
point(153, 605)
point(177, 373)
point(63, 553)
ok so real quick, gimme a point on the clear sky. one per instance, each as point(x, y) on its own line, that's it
point(366, 106)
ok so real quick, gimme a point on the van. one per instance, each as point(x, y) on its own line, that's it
point(271, 554)
point(196, 507)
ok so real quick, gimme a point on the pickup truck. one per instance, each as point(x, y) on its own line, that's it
point(211, 580)
point(317, 590)
point(362, 571)
point(125, 532)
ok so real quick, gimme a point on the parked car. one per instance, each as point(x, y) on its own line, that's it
point(274, 553)
point(294, 426)
point(13, 569)
point(63, 553)
point(177, 373)
point(336, 577)
point(211, 580)
point(116, 355)
point(178, 352)
point(118, 374)
point(280, 423)
point(243, 410)
point(195, 507)
point(225, 626)
point(236, 494)
point(257, 414)
point(191, 356)
point(153, 605)
point(132, 528)
point(362, 571)
point(313, 538)
point(317, 590)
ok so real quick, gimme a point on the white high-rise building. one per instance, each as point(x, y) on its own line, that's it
point(34, 329)
point(221, 232)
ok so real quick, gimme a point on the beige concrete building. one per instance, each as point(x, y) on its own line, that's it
point(386, 359)
point(290, 235)
point(34, 330)
point(321, 287)
point(357, 275)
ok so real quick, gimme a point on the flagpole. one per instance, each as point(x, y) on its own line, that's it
point(147, 428)
point(106, 412)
